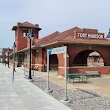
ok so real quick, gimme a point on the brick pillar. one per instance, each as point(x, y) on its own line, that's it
point(33, 54)
point(41, 60)
point(61, 64)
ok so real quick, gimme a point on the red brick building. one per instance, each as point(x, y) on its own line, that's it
point(80, 44)
point(4, 55)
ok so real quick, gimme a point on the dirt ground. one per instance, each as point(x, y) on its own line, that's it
point(101, 85)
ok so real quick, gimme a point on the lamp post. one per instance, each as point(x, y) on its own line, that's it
point(30, 36)
point(8, 57)
point(13, 60)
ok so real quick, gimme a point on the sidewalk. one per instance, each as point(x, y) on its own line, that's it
point(22, 94)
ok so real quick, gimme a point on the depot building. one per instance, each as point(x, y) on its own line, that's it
point(87, 49)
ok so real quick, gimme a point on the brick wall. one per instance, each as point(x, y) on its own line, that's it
point(21, 41)
point(104, 51)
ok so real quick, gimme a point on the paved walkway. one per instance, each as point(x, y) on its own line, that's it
point(22, 94)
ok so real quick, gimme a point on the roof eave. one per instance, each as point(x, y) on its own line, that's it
point(45, 45)
point(54, 44)
point(23, 50)
point(86, 44)
point(28, 27)
point(14, 28)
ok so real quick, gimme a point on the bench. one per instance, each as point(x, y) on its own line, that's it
point(35, 68)
point(93, 73)
point(79, 76)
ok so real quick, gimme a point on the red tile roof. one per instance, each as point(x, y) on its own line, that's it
point(69, 37)
point(46, 39)
point(26, 25)
point(64, 34)
point(56, 36)
point(35, 41)
point(72, 40)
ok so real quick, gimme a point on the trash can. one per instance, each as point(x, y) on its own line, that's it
point(45, 68)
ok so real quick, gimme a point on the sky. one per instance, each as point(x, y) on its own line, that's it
point(52, 15)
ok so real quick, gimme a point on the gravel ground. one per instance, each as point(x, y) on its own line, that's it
point(79, 99)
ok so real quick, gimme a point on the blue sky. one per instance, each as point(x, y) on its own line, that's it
point(53, 15)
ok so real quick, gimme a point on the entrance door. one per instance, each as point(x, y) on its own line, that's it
point(21, 59)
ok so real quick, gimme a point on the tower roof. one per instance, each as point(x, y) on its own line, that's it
point(26, 25)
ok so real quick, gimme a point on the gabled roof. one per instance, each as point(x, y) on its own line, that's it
point(26, 25)
point(57, 36)
point(64, 34)
point(69, 37)
point(46, 39)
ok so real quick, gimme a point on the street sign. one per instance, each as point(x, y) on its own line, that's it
point(58, 50)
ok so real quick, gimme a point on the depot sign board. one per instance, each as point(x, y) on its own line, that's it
point(90, 36)
point(58, 50)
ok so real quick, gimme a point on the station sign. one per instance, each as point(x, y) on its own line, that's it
point(58, 50)
point(90, 36)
